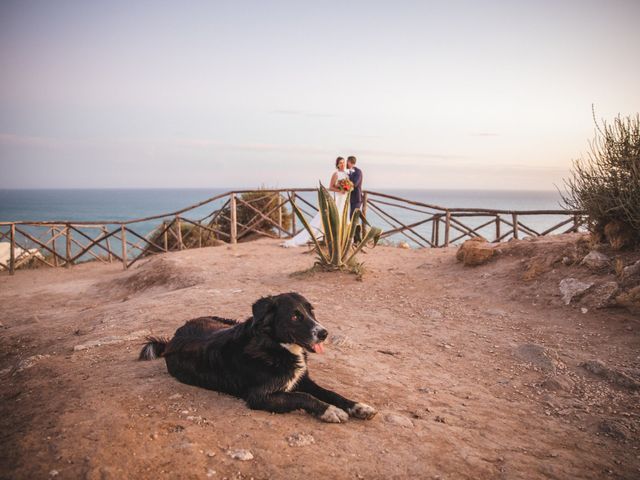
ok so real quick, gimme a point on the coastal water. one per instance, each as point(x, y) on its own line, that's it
point(121, 205)
point(116, 205)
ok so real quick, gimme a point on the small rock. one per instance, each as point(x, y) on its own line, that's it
point(566, 261)
point(601, 295)
point(584, 310)
point(30, 362)
point(537, 355)
point(440, 419)
point(175, 396)
point(242, 455)
point(596, 261)
point(404, 245)
point(571, 288)
point(475, 251)
point(341, 341)
point(630, 299)
point(618, 378)
point(613, 429)
point(300, 440)
point(53, 473)
point(210, 472)
point(433, 313)
point(400, 420)
point(211, 453)
point(557, 383)
point(631, 270)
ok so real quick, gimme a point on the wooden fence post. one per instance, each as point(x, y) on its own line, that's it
point(53, 245)
point(293, 214)
point(365, 199)
point(234, 219)
point(498, 228)
point(279, 218)
point(436, 226)
point(179, 233)
point(12, 253)
point(68, 246)
point(447, 227)
point(165, 235)
point(105, 232)
point(123, 237)
point(514, 219)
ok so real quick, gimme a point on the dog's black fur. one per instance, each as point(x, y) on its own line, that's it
point(262, 360)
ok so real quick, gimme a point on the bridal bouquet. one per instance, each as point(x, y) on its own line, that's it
point(345, 185)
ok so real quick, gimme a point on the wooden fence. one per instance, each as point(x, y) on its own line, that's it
point(64, 243)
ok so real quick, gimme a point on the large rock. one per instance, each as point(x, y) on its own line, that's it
point(596, 261)
point(600, 296)
point(475, 251)
point(572, 288)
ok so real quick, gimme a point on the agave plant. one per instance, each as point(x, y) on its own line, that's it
point(340, 247)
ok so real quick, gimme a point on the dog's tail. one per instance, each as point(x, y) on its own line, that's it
point(154, 348)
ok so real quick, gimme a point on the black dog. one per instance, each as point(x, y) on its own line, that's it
point(262, 360)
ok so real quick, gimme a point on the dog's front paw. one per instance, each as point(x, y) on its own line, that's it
point(334, 415)
point(363, 411)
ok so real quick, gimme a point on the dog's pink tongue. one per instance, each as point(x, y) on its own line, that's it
point(318, 348)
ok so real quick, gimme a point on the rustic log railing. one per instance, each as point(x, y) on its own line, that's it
point(64, 243)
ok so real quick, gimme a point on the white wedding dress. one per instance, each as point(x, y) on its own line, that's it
point(303, 237)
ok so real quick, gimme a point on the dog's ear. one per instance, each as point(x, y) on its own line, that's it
point(263, 310)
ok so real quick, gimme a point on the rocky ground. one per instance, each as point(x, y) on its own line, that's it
point(495, 371)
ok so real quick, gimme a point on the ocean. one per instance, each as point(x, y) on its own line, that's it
point(128, 204)
point(118, 205)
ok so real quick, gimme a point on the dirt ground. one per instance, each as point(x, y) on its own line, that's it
point(476, 373)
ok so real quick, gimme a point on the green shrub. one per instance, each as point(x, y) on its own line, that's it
point(192, 237)
point(262, 200)
point(606, 184)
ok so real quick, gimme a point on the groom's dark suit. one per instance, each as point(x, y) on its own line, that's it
point(355, 175)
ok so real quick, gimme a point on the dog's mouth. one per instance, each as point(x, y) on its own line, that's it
point(315, 347)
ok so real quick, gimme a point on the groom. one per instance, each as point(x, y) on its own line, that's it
point(355, 175)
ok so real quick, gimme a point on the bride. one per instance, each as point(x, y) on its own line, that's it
point(303, 237)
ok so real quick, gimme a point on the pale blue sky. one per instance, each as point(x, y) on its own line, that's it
point(459, 94)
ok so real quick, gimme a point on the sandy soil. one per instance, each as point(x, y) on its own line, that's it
point(475, 372)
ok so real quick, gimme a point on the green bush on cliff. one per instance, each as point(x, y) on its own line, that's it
point(606, 184)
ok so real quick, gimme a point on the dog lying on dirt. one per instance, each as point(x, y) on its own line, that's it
point(262, 360)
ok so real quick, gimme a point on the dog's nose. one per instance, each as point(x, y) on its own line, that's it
point(322, 334)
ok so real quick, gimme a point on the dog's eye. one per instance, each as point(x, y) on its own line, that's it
point(296, 316)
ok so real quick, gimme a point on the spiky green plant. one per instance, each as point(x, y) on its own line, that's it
point(340, 248)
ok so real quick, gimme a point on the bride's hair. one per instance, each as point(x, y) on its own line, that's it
point(338, 161)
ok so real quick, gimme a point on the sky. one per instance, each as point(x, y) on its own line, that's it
point(426, 94)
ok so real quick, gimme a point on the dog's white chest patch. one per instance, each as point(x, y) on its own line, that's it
point(301, 365)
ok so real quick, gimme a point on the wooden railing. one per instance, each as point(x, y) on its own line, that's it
point(64, 243)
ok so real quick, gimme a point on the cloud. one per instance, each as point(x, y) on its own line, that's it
point(302, 113)
point(13, 140)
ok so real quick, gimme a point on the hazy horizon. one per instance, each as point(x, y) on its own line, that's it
point(492, 95)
